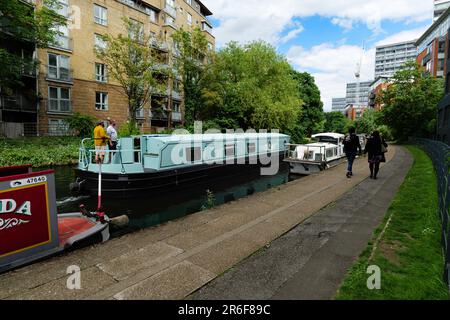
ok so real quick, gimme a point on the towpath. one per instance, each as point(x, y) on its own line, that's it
point(188, 257)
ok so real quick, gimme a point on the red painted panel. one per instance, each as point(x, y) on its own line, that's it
point(24, 218)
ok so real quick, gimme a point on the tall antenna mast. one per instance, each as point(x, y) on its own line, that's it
point(358, 73)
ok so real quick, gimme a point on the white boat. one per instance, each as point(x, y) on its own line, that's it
point(325, 151)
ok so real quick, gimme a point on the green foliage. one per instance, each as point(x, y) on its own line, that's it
point(409, 252)
point(312, 118)
point(385, 132)
point(368, 122)
point(191, 64)
point(210, 200)
point(23, 23)
point(336, 122)
point(81, 124)
point(42, 151)
point(410, 103)
point(250, 86)
point(134, 64)
point(128, 129)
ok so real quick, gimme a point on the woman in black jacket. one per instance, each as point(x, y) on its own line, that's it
point(376, 155)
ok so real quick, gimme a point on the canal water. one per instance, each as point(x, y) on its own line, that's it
point(151, 210)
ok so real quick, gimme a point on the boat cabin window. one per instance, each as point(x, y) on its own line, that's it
point(229, 150)
point(251, 147)
point(193, 154)
point(326, 139)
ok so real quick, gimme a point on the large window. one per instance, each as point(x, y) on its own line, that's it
point(99, 42)
point(189, 18)
point(137, 31)
point(58, 67)
point(100, 72)
point(153, 15)
point(100, 15)
point(193, 154)
point(62, 39)
point(59, 99)
point(101, 101)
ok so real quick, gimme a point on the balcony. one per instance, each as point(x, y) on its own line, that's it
point(206, 27)
point(170, 11)
point(176, 116)
point(18, 103)
point(139, 114)
point(155, 43)
point(59, 106)
point(176, 95)
point(59, 74)
point(169, 22)
point(159, 114)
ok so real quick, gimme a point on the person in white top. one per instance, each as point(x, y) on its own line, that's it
point(111, 132)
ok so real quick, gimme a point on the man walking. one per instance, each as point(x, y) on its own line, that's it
point(351, 147)
point(112, 133)
point(100, 140)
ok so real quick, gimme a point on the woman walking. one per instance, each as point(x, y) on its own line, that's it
point(375, 147)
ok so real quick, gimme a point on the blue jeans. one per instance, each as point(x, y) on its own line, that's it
point(350, 158)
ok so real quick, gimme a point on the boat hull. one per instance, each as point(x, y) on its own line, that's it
point(136, 184)
point(308, 168)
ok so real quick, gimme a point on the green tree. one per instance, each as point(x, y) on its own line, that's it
point(192, 59)
point(133, 63)
point(410, 103)
point(23, 22)
point(251, 86)
point(81, 124)
point(369, 122)
point(311, 119)
point(336, 122)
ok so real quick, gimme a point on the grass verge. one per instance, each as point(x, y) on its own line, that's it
point(409, 252)
point(39, 151)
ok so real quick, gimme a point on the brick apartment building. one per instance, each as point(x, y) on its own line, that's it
point(432, 46)
point(71, 78)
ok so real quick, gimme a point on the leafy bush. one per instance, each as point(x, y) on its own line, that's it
point(42, 151)
point(129, 129)
point(83, 125)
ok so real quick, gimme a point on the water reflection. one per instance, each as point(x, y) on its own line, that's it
point(152, 210)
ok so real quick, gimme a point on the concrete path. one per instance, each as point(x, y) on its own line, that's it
point(311, 261)
point(173, 260)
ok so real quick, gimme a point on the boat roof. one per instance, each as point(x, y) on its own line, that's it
point(329, 134)
point(214, 136)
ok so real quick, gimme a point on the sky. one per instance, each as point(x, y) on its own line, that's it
point(322, 37)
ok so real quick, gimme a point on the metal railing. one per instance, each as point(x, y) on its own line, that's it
point(440, 155)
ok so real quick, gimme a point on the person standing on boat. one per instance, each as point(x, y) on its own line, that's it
point(351, 147)
point(100, 140)
point(375, 147)
point(112, 133)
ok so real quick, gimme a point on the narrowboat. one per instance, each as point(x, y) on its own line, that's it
point(30, 226)
point(325, 151)
point(158, 163)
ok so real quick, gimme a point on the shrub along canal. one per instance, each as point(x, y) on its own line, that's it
point(149, 210)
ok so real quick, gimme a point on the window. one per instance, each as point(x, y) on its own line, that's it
point(101, 101)
point(189, 2)
point(62, 39)
point(251, 147)
point(100, 72)
point(100, 15)
point(59, 99)
point(99, 43)
point(61, 7)
point(193, 154)
point(153, 15)
point(189, 18)
point(229, 150)
point(171, 3)
point(58, 67)
point(176, 107)
point(137, 30)
point(210, 46)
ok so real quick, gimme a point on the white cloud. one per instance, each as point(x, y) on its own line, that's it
point(346, 24)
point(333, 67)
point(267, 19)
point(291, 35)
point(405, 35)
